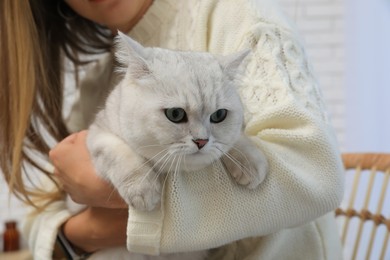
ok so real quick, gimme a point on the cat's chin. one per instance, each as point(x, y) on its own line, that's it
point(197, 161)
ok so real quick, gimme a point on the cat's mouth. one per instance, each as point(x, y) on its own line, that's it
point(199, 153)
point(198, 161)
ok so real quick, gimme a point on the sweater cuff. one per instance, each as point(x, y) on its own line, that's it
point(144, 231)
point(46, 236)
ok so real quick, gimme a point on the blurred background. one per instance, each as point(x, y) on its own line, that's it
point(348, 43)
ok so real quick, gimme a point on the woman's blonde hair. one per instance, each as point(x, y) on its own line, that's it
point(34, 40)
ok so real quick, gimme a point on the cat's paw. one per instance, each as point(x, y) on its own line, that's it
point(245, 171)
point(144, 195)
point(145, 200)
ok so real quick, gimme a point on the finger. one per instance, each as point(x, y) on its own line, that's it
point(52, 155)
point(62, 177)
point(59, 178)
point(83, 133)
point(63, 147)
point(81, 137)
point(70, 138)
point(56, 173)
point(56, 149)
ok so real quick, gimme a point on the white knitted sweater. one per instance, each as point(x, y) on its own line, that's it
point(287, 214)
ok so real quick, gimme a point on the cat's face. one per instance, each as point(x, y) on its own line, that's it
point(180, 109)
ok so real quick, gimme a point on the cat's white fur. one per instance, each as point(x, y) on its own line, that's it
point(134, 145)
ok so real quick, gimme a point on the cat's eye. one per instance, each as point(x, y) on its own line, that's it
point(176, 115)
point(218, 116)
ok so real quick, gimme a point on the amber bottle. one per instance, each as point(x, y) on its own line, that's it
point(11, 237)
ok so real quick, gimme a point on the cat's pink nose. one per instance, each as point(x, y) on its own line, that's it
point(200, 142)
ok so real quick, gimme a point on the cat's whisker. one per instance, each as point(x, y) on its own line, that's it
point(169, 169)
point(162, 166)
point(178, 163)
point(227, 145)
point(151, 159)
point(242, 154)
point(126, 181)
point(237, 150)
point(165, 179)
point(172, 163)
point(151, 145)
point(110, 196)
point(185, 161)
point(165, 157)
point(157, 154)
point(175, 172)
point(247, 171)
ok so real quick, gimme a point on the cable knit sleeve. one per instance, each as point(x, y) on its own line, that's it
point(286, 118)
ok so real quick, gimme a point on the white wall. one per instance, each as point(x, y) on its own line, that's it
point(368, 89)
point(368, 75)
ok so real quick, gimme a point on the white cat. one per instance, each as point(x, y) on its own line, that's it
point(173, 111)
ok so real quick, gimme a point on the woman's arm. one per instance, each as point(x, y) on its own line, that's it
point(97, 228)
point(74, 169)
point(90, 230)
point(103, 223)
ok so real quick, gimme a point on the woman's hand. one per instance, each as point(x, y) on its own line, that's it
point(74, 169)
point(97, 228)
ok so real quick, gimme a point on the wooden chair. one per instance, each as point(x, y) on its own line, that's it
point(364, 214)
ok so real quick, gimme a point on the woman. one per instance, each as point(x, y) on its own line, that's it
point(288, 217)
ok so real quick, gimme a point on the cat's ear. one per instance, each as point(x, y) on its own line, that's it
point(231, 63)
point(131, 56)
